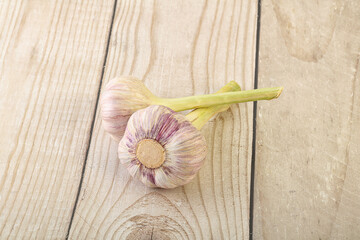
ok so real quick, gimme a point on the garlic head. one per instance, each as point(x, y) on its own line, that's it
point(161, 147)
point(120, 99)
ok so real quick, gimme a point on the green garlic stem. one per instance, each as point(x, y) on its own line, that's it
point(186, 103)
point(199, 117)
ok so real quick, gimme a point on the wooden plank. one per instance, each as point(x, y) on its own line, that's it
point(307, 153)
point(51, 58)
point(179, 48)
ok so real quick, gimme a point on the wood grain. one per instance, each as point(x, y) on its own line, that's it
point(307, 164)
point(51, 57)
point(179, 48)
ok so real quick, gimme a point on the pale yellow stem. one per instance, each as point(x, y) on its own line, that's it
point(186, 103)
point(199, 117)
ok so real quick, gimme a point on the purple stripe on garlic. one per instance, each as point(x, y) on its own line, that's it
point(158, 132)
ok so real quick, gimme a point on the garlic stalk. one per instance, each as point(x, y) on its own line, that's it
point(165, 149)
point(200, 116)
point(125, 95)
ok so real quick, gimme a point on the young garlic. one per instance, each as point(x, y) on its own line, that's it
point(163, 148)
point(125, 95)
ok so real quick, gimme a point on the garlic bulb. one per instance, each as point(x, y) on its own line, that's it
point(125, 95)
point(121, 98)
point(153, 159)
point(161, 147)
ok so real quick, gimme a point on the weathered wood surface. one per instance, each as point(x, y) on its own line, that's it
point(308, 158)
point(51, 58)
point(179, 48)
point(307, 155)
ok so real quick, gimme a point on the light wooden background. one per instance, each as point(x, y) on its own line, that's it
point(59, 173)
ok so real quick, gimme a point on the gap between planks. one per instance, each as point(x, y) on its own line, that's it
point(93, 120)
point(253, 148)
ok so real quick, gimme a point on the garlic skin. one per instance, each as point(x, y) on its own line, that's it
point(120, 99)
point(184, 147)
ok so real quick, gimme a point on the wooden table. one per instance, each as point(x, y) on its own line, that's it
point(289, 167)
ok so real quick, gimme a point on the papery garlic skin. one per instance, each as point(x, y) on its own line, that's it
point(120, 99)
point(184, 145)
